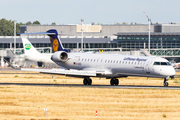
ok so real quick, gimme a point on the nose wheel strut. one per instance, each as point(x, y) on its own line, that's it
point(165, 82)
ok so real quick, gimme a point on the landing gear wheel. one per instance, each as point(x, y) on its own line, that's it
point(89, 81)
point(114, 81)
point(85, 81)
point(165, 82)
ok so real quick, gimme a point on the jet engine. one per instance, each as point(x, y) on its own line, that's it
point(59, 56)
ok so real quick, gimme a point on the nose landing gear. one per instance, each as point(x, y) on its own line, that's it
point(165, 81)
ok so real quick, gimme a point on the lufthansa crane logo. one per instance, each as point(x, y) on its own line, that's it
point(55, 45)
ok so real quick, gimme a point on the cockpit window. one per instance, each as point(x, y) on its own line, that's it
point(168, 63)
point(157, 63)
point(162, 63)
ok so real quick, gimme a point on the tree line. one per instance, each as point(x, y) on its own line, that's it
point(7, 26)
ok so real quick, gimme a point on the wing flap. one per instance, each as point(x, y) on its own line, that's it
point(63, 72)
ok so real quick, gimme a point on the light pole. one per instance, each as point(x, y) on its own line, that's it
point(149, 34)
point(14, 36)
point(82, 35)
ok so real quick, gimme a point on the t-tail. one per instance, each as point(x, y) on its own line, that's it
point(55, 41)
point(29, 48)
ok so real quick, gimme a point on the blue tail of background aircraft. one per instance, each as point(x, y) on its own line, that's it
point(55, 41)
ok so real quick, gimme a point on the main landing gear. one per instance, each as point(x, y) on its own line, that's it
point(165, 82)
point(114, 81)
point(87, 81)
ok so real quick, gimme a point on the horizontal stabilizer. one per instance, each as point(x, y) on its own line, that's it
point(63, 72)
point(42, 33)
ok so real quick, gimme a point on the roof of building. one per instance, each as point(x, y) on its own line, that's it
point(63, 40)
point(146, 33)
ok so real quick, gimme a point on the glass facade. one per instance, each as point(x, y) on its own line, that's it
point(7, 45)
point(128, 42)
point(66, 45)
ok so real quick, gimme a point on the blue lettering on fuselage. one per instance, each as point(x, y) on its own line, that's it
point(135, 59)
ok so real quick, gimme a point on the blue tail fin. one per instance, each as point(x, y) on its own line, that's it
point(55, 41)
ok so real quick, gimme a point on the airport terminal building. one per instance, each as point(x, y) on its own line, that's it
point(165, 38)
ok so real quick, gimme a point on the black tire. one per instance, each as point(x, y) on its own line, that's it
point(89, 81)
point(112, 82)
point(85, 81)
point(116, 82)
point(166, 84)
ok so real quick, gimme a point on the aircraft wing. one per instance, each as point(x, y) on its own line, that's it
point(77, 73)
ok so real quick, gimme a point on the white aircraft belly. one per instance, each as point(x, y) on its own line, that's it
point(63, 72)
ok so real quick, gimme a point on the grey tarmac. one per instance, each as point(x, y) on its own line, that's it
point(95, 86)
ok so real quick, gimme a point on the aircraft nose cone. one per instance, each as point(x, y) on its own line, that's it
point(171, 72)
point(174, 71)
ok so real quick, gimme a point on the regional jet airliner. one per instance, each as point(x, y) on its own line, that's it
point(112, 66)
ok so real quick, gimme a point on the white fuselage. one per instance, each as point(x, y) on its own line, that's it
point(116, 65)
point(40, 57)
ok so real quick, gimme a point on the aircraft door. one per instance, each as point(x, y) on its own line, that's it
point(99, 64)
point(148, 67)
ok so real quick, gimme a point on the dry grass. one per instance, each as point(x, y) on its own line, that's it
point(27, 102)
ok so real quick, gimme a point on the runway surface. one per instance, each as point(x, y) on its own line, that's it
point(94, 86)
point(85, 86)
